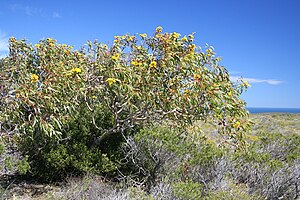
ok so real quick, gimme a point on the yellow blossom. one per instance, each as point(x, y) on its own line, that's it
point(153, 64)
point(230, 93)
point(246, 84)
point(76, 70)
point(158, 35)
point(134, 63)
point(190, 56)
point(105, 47)
point(193, 47)
point(191, 36)
point(184, 39)
point(67, 52)
point(12, 40)
point(94, 97)
point(34, 78)
point(209, 51)
point(237, 125)
point(116, 57)
point(111, 81)
point(50, 40)
point(144, 35)
point(175, 35)
point(18, 95)
point(205, 69)
point(78, 55)
point(37, 46)
point(196, 76)
point(158, 29)
point(131, 38)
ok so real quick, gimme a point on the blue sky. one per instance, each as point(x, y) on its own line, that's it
point(257, 39)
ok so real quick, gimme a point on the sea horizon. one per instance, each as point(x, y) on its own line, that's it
point(253, 110)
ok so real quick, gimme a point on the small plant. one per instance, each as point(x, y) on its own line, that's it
point(187, 190)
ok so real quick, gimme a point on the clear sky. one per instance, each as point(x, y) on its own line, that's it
point(257, 39)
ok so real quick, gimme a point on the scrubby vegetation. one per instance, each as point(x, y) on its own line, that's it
point(146, 118)
point(268, 169)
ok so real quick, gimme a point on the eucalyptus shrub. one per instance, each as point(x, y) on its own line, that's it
point(69, 110)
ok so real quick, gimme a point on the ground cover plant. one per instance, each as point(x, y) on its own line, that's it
point(136, 113)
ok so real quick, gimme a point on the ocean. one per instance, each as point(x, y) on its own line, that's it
point(273, 110)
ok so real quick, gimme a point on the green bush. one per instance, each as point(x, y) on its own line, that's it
point(187, 190)
point(71, 110)
point(270, 165)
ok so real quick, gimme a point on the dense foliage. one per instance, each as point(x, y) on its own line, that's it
point(72, 110)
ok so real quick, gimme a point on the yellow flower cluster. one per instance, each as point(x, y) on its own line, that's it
point(192, 47)
point(131, 38)
point(144, 35)
point(51, 42)
point(105, 47)
point(12, 40)
point(111, 81)
point(37, 46)
point(158, 29)
point(210, 51)
point(184, 39)
point(135, 63)
point(175, 35)
point(116, 57)
point(117, 39)
point(153, 64)
point(67, 51)
point(237, 125)
point(34, 78)
point(190, 56)
point(191, 36)
point(246, 84)
point(76, 70)
point(158, 35)
point(196, 76)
